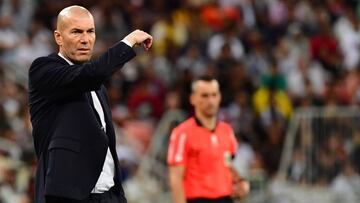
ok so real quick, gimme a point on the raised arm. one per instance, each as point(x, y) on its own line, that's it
point(57, 79)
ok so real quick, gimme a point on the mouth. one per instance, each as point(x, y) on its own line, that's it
point(83, 50)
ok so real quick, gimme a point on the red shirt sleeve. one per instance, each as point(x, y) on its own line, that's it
point(177, 148)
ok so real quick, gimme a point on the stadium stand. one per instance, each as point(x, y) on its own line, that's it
point(271, 57)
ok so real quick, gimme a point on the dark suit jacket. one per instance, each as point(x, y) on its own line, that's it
point(69, 142)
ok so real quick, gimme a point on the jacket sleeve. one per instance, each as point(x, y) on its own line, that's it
point(58, 80)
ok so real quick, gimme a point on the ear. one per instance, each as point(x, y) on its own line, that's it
point(58, 38)
point(192, 99)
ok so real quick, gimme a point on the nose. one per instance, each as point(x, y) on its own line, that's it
point(85, 38)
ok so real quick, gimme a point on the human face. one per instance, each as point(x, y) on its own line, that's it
point(206, 98)
point(76, 38)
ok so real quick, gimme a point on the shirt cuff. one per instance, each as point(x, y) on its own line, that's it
point(126, 42)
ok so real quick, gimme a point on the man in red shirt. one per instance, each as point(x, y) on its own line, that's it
point(201, 151)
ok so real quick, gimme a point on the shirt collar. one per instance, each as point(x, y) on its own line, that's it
point(69, 62)
point(199, 123)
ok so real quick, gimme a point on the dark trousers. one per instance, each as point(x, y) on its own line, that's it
point(107, 197)
point(225, 199)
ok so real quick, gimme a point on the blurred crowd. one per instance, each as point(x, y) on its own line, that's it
point(270, 57)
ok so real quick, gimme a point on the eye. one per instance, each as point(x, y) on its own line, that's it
point(205, 95)
point(76, 31)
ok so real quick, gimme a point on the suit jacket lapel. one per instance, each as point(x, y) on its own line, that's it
point(107, 113)
point(109, 128)
point(91, 103)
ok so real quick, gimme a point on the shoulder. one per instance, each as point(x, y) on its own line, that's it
point(51, 57)
point(44, 60)
point(186, 125)
point(42, 65)
point(184, 128)
point(225, 126)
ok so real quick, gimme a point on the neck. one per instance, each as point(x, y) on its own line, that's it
point(207, 122)
point(66, 59)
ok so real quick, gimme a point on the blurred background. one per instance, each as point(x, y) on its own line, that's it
point(289, 72)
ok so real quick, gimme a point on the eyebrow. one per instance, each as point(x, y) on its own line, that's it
point(209, 93)
point(80, 30)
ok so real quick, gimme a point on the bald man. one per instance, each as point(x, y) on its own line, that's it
point(73, 134)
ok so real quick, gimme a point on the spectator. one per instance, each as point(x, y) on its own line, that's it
point(257, 59)
point(323, 46)
point(147, 97)
point(346, 30)
point(227, 37)
point(239, 115)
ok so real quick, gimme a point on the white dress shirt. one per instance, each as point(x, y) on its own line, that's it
point(106, 178)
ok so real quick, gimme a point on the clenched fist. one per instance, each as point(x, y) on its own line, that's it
point(139, 37)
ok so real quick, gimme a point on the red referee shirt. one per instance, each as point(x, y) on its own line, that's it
point(206, 156)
